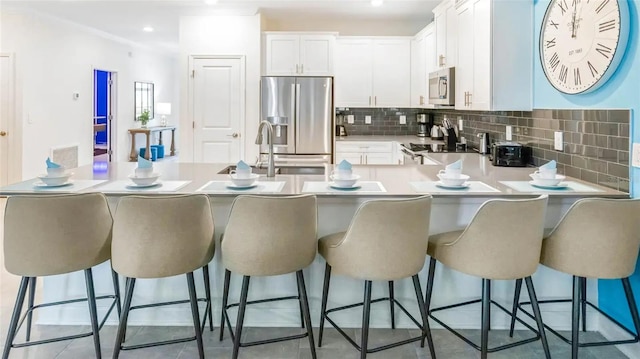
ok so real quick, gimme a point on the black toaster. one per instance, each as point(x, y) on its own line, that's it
point(510, 154)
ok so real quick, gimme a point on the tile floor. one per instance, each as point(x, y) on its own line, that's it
point(334, 346)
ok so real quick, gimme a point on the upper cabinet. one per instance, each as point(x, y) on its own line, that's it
point(298, 54)
point(423, 61)
point(495, 52)
point(373, 72)
point(446, 29)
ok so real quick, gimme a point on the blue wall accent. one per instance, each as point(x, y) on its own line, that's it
point(101, 78)
point(621, 91)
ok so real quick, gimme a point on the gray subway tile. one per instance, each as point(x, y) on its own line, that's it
point(619, 116)
point(618, 170)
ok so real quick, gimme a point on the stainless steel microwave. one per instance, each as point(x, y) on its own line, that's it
point(442, 87)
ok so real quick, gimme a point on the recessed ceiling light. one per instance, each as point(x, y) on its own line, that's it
point(210, 2)
point(376, 2)
point(147, 29)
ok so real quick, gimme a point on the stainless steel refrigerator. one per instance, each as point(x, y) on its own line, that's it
point(301, 112)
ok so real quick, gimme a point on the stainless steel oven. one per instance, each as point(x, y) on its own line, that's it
point(410, 157)
point(442, 87)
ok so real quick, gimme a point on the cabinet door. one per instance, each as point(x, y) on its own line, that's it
point(441, 38)
point(282, 55)
point(316, 55)
point(430, 60)
point(379, 158)
point(464, 70)
point(451, 57)
point(418, 72)
point(355, 158)
point(481, 91)
point(353, 68)
point(392, 73)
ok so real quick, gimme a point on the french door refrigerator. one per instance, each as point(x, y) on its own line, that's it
point(301, 112)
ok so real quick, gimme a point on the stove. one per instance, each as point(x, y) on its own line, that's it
point(433, 148)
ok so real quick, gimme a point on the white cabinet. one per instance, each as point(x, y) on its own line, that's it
point(422, 63)
point(495, 51)
point(446, 29)
point(294, 54)
point(366, 152)
point(373, 72)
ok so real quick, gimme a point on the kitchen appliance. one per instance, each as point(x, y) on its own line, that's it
point(510, 154)
point(442, 87)
point(436, 132)
point(483, 146)
point(423, 129)
point(341, 130)
point(414, 152)
point(301, 112)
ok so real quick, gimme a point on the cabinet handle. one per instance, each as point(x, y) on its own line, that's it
point(369, 100)
point(421, 100)
point(375, 100)
point(302, 68)
point(470, 102)
point(297, 68)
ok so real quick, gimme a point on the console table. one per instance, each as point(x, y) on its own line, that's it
point(148, 131)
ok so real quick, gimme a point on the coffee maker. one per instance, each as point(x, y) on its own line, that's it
point(423, 126)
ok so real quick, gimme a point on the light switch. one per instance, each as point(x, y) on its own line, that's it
point(350, 119)
point(635, 155)
point(367, 120)
point(403, 119)
point(558, 141)
point(509, 135)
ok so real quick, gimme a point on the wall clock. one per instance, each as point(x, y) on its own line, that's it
point(582, 42)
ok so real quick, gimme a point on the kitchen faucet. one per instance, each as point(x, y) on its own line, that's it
point(271, 169)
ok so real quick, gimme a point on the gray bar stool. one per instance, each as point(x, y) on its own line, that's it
point(596, 238)
point(508, 251)
point(51, 235)
point(386, 241)
point(159, 237)
point(268, 236)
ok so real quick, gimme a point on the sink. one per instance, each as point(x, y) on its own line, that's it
point(282, 170)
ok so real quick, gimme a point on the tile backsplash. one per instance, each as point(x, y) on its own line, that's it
point(596, 142)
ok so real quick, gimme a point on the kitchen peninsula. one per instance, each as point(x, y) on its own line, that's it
point(451, 210)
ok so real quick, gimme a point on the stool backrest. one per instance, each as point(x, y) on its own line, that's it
point(503, 240)
point(56, 234)
point(270, 235)
point(596, 238)
point(156, 237)
point(387, 239)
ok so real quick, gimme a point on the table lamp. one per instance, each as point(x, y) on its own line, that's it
point(163, 109)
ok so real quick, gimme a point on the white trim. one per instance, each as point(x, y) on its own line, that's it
point(112, 127)
point(14, 131)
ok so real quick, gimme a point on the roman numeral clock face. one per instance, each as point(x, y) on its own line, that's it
point(582, 42)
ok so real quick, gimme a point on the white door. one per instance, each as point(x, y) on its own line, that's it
point(441, 39)
point(6, 115)
point(481, 91)
point(418, 72)
point(283, 55)
point(379, 159)
point(316, 55)
point(218, 109)
point(392, 73)
point(354, 69)
point(464, 69)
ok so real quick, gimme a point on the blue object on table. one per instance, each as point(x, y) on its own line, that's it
point(51, 164)
point(154, 153)
point(160, 149)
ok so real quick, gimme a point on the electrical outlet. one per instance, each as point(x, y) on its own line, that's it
point(367, 120)
point(459, 123)
point(509, 135)
point(558, 141)
point(403, 119)
point(350, 119)
point(635, 156)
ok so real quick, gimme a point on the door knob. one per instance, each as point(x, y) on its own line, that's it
point(234, 135)
point(2, 133)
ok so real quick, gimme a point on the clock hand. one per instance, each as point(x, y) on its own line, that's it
point(573, 21)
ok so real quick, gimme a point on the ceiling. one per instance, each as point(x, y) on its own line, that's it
point(125, 18)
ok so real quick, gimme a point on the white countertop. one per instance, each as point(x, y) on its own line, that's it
point(400, 139)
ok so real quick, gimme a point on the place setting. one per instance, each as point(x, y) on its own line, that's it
point(451, 179)
point(242, 179)
point(56, 176)
point(144, 178)
point(343, 180)
point(546, 178)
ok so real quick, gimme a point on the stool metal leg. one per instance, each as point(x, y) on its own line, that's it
point(300, 307)
point(366, 313)
point(325, 295)
point(633, 308)
point(514, 309)
point(304, 304)
point(207, 288)
point(426, 329)
point(225, 299)
point(15, 317)
point(32, 295)
point(93, 312)
point(538, 315)
point(575, 319)
point(116, 291)
point(486, 313)
point(128, 295)
point(583, 302)
point(240, 320)
point(193, 299)
point(392, 306)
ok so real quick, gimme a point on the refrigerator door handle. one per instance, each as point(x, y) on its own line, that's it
point(297, 128)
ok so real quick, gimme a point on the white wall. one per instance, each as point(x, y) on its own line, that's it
point(54, 59)
point(222, 35)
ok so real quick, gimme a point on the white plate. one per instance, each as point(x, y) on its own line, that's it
point(149, 185)
point(346, 188)
point(560, 185)
point(65, 174)
point(462, 186)
point(230, 185)
point(44, 185)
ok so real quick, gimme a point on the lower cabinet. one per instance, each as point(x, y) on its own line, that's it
point(367, 152)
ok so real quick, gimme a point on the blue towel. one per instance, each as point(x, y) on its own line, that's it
point(551, 165)
point(144, 163)
point(344, 165)
point(52, 164)
point(242, 166)
point(457, 165)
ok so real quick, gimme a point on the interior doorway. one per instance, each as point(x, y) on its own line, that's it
point(6, 118)
point(104, 85)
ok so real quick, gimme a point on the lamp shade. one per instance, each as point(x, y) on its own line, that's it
point(163, 108)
